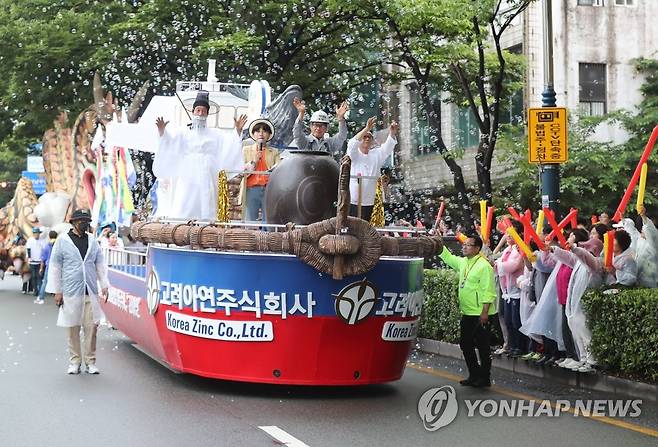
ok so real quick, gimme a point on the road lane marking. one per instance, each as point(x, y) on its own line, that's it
point(282, 436)
point(510, 393)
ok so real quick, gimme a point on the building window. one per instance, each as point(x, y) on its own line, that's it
point(624, 2)
point(467, 133)
point(420, 128)
point(590, 2)
point(592, 89)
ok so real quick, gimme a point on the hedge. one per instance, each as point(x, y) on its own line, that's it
point(625, 331)
point(440, 317)
point(624, 326)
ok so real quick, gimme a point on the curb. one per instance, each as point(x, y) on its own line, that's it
point(595, 382)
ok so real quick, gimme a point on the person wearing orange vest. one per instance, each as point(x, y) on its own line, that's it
point(258, 157)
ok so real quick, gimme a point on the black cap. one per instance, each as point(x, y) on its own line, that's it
point(81, 215)
point(202, 100)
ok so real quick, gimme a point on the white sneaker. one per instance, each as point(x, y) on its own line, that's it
point(586, 368)
point(40, 301)
point(576, 366)
point(74, 368)
point(92, 369)
point(568, 363)
point(36, 301)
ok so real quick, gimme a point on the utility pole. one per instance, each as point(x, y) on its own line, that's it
point(550, 172)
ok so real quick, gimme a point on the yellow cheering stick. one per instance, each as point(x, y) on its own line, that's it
point(641, 188)
point(522, 245)
point(483, 219)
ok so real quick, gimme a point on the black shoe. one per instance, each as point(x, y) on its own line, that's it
point(482, 383)
point(542, 361)
point(468, 382)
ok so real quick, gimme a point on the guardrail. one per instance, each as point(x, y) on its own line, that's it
point(128, 261)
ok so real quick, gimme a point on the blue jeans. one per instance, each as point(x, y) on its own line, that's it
point(42, 290)
point(35, 281)
point(255, 201)
point(513, 323)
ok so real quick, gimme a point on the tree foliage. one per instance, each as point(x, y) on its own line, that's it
point(51, 49)
point(453, 46)
point(597, 173)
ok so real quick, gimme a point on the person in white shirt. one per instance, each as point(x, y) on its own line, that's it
point(34, 247)
point(367, 161)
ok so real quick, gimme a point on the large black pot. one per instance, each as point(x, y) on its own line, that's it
point(302, 189)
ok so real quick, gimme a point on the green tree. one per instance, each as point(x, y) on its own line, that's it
point(287, 42)
point(597, 173)
point(453, 46)
point(592, 180)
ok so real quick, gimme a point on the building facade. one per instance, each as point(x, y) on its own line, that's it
point(594, 45)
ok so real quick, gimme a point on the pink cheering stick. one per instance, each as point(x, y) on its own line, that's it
point(439, 215)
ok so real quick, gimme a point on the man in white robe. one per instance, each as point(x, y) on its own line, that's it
point(191, 159)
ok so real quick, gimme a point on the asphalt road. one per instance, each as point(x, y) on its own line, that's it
point(136, 402)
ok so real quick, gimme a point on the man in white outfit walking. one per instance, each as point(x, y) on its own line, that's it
point(75, 271)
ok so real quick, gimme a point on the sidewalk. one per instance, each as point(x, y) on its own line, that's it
point(595, 381)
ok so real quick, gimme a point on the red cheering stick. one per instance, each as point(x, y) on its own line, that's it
point(505, 224)
point(514, 214)
point(570, 219)
point(529, 232)
point(557, 230)
point(619, 214)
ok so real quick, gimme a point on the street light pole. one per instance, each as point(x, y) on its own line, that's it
point(550, 173)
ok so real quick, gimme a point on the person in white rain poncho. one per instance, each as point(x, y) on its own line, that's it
point(584, 276)
point(645, 246)
point(75, 271)
point(367, 160)
point(545, 322)
point(189, 160)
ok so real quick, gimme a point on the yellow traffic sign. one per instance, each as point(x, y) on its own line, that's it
point(547, 135)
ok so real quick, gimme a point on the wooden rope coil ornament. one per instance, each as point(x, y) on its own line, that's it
point(317, 244)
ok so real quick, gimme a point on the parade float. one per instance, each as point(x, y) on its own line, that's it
point(314, 298)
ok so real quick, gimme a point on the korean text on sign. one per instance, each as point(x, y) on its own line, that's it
point(547, 135)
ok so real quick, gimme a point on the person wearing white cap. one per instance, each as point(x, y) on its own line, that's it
point(367, 160)
point(34, 247)
point(258, 157)
point(319, 140)
point(192, 158)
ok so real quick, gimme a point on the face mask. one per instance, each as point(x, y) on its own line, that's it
point(82, 227)
point(52, 241)
point(199, 122)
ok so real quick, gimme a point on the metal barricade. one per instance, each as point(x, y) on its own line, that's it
point(131, 261)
